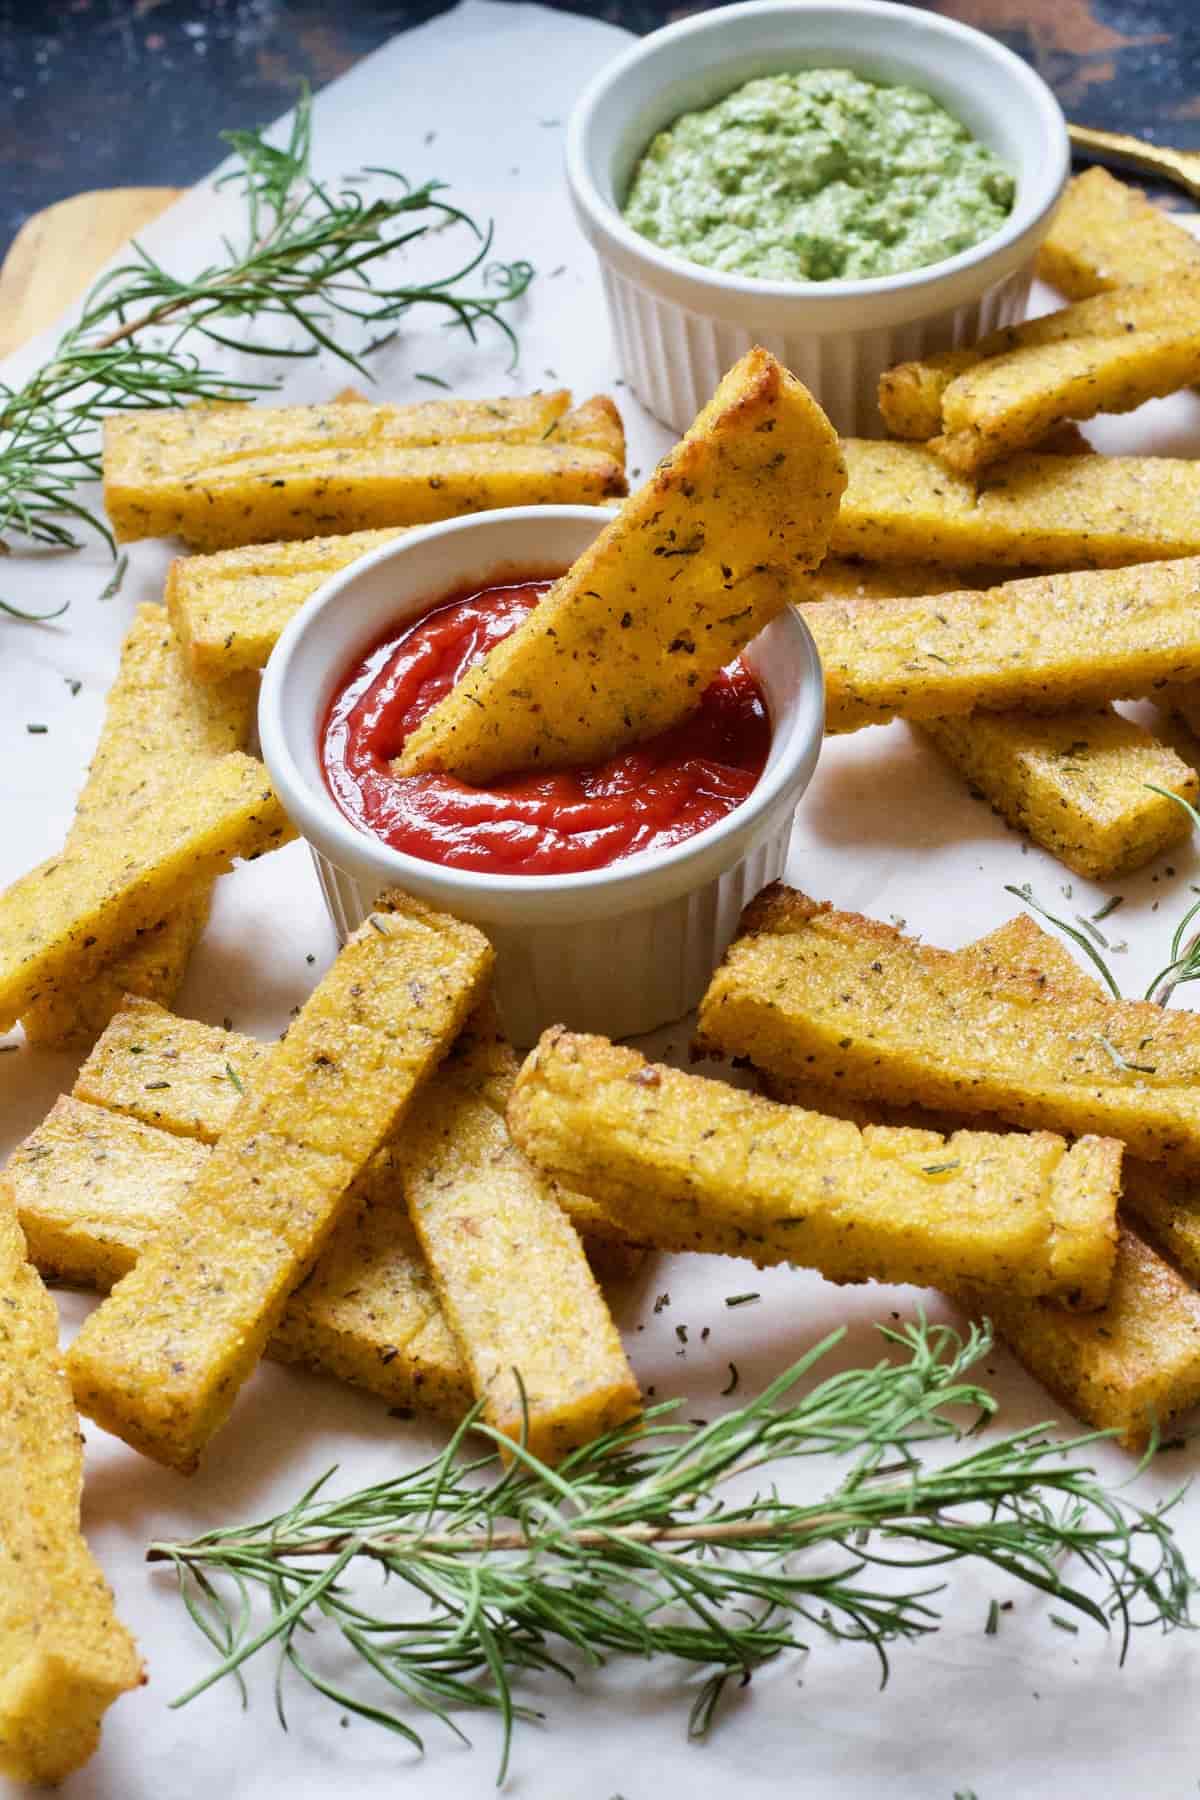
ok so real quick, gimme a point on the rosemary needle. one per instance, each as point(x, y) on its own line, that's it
point(634, 1547)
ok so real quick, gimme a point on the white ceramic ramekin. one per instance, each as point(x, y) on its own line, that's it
point(617, 950)
point(679, 326)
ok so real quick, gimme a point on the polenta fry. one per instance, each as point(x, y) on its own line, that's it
point(903, 504)
point(1106, 234)
point(223, 477)
point(687, 572)
point(539, 1342)
point(700, 1165)
point(164, 1375)
point(64, 1655)
point(63, 921)
point(913, 395)
point(153, 967)
point(1047, 644)
point(92, 1189)
point(178, 1074)
point(1079, 783)
point(229, 608)
point(806, 989)
point(187, 1078)
point(1009, 403)
point(1131, 1366)
point(158, 729)
point(1135, 1362)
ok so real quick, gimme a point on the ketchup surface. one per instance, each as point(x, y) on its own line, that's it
point(647, 798)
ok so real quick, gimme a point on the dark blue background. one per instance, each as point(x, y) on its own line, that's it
point(106, 93)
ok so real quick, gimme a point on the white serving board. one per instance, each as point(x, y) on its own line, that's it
point(1030, 1712)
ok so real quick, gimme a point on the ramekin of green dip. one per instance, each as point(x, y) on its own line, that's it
point(725, 214)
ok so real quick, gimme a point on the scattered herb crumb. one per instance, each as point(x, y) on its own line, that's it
point(234, 1077)
point(1110, 906)
point(1064, 1624)
point(942, 1168)
point(152, 1085)
point(310, 958)
point(37, 730)
point(73, 683)
point(741, 1299)
point(661, 1301)
point(993, 1619)
point(681, 1333)
point(733, 1382)
point(433, 381)
point(376, 926)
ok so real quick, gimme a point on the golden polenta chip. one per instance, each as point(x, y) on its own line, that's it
point(159, 728)
point(689, 570)
point(703, 1166)
point(164, 1375)
point(514, 1281)
point(176, 1073)
point(805, 988)
point(1047, 644)
point(912, 395)
point(229, 608)
point(187, 1078)
point(63, 921)
point(543, 1353)
point(64, 1656)
point(1010, 402)
point(92, 1188)
point(220, 477)
point(153, 965)
point(1080, 783)
point(1106, 234)
point(1135, 1361)
point(1039, 511)
point(1130, 1366)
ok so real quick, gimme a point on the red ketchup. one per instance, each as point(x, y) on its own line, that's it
point(647, 798)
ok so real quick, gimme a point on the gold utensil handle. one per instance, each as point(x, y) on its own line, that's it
point(1179, 166)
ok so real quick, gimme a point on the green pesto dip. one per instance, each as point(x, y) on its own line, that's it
point(818, 175)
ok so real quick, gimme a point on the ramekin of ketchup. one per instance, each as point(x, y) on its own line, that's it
point(609, 891)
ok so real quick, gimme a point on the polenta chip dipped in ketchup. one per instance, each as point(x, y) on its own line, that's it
point(690, 569)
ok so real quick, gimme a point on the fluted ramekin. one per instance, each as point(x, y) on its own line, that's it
point(617, 950)
point(678, 326)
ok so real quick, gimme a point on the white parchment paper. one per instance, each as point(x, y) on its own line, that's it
point(478, 98)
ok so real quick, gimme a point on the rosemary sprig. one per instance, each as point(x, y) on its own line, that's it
point(1025, 892)
point(306, 255)
point(1184, 962)
point(634, 1547)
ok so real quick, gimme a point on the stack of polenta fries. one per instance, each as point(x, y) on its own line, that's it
point(386, 1195)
